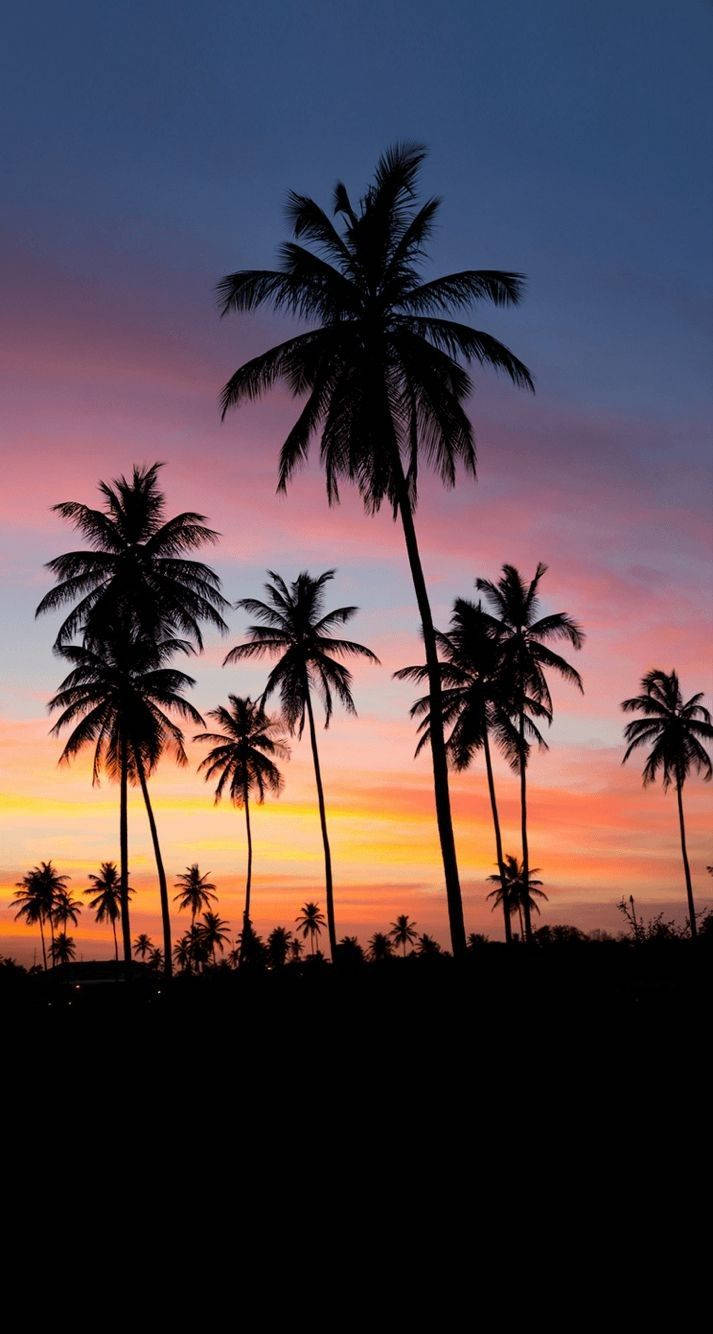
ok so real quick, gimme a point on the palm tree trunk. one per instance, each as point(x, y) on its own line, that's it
point(438, 744)
point(249, 876)
point(519, 913)
point(44, 951)
point(686, 867)
point(162, 886)
point(124, 850)
point(116, 943)
point(523, 820)
point(328, 886)
point(496, 826)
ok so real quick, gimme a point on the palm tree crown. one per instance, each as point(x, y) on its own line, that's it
point(523, 633)
point(309, 922)
point(196, 891)
point(516, 890)
point(675, 731)
point(244, 751)
point(403, 931)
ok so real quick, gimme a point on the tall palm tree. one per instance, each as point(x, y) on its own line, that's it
point(515, 892)
point(106, 903)
point(63, 948)
point(524, 637)
point(196, 891)
point(403, 932)
point(382, 372)
point(143, 945)
point(294, 626)
point(676, 733)
point(136, 570)
point(214, 932)
point(36, 896)
point(117, 699)
point(243, 758)
point(309, 923)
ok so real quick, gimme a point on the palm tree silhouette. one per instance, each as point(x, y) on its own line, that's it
point(380, 947)
point(278, 944)
point(116, 697)
point(213, 933)
point(522, 636)
point(403, 932)
point(294, 624)
point(243, 759)
point(309, 923)
point(63, 948)
point(106, 903)
point(427, 946)
point(295, 950)
point(383, 374)
point(66, 909)
point(196, 891)
point(143, 945)
point(35, 899)
point(675, 732)
point(515, 893)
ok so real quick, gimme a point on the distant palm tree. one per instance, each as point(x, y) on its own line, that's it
point(403, 932)
point(213, 933)
point(295, 950)
point(196, 891)
point(63, 948)
point(182, 956)
point(156, 959)
point(143, 945)
point(676, 733)
point(523, 637)
point(382, 374)
point(36, 896)
point(350, 951)
point(243, 758)
point(295, 626)
point(117, 698)
point(106, 903)
point(380, 947)
point(66, 909)
point(427, 946)
point(278, 944)
point(309, 923)
point(511, 892)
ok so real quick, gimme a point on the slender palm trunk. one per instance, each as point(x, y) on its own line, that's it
point(249, 875)
point(523, 820)
point(496, 827)
point(438, 744)
point(44, 951)
point(328, 886)
point(162, 886)
point(519, 913)
point(116, 943)
point(124, 850)
point(686, 867)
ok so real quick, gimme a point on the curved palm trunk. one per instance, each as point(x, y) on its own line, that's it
point(44, 950)
point(523, 822)
point(116, 943)
point(162, 886)
point(328, 886)
point(124, 851)
point(438, 744)
point(496, 827)
point(686, 867)
point(249, 875)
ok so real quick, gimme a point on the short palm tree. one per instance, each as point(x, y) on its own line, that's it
point(294, 626)
point(278, 944)
point(143, 945)
point(524, 636)
point(428, 946)
point(676, 734)
point(382, 373)
point(106, 901)
point(66, 909)
point(295, 950)
point(214, 933)
point(403, 932)
point(117, 698)
point(242, 758)
point(36, 896)
point(196, 891)
point(516, 893)
point(309, 923)
point(380, 947)
point(63, 948)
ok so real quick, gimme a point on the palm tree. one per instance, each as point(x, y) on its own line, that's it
point(36, 896)
point(116, 698)
point(309, 923)
point(515, 892)
point(427, 946)
point(182, 953)
point(63, 948)
point(143, 945)
point(278, 944)
point(295, 950)
point(213, 933)
point(294, 625)
point(136, 571)
point(106, 903)
point(383, 374)
point(403, 932)
point(676, 733)
point(196, 891)
point(523, 637)
point(66, 909)
point(380, 947)
point(243, 759)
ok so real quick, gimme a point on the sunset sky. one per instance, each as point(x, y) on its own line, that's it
point(144, 158)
